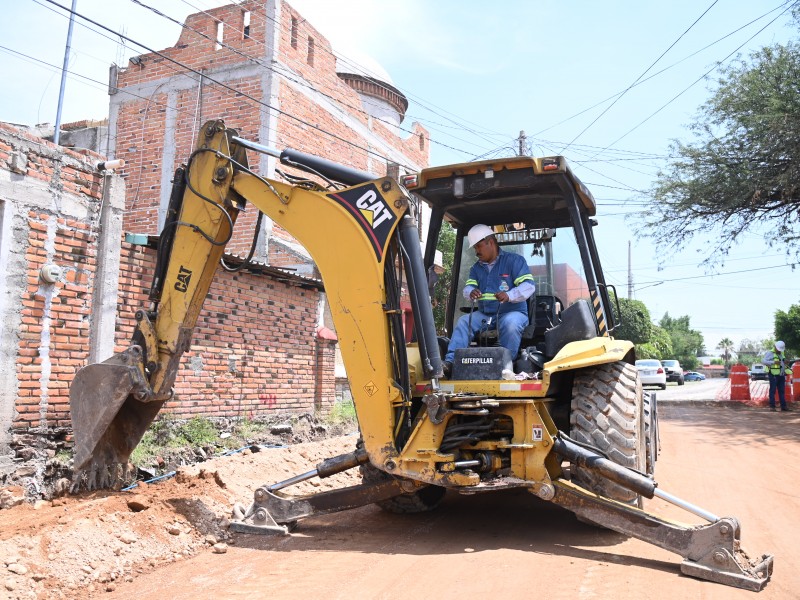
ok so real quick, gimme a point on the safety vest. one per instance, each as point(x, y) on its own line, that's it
point(778, 364)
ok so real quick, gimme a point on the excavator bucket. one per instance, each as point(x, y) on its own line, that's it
point(109, 418)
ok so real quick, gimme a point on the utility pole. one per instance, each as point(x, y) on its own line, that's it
point(523, 142)
point(630, 273)
point(57, 132)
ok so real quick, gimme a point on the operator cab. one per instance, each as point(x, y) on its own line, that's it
point(541, 211)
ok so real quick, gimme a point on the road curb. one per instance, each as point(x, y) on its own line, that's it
point(715, 403)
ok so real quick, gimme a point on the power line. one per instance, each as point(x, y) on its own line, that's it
point(657, 73)
point(626, 90)
point(698, 80)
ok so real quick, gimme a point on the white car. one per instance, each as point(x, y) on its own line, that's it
point(651, 372)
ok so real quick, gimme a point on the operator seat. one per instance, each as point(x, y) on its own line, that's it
point(544, 313)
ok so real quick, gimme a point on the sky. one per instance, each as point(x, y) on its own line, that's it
point(607, 84)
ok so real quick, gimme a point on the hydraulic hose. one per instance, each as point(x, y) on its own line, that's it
point(420, 300)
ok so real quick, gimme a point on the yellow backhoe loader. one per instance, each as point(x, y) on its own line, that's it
point(564, 417)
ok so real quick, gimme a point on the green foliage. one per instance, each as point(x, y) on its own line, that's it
point(342, 412)
point(751, 351)
point(686, 343)
point(168, 433)
point(787, 328)
point(246, 428)
point(726, 345)
point(742, 172)
point(446, 244)
point(659, 346)
point(634, 322)
point(146, 450)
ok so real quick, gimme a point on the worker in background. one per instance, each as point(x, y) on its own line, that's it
point(776, 365)
point(500, 282)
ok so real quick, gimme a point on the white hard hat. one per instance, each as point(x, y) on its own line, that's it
point(780, 346)
point(479, 232)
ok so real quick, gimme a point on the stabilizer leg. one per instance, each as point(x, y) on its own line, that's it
point(712, 552)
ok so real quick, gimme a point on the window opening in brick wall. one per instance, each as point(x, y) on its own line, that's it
point(246, 24)
point(294, 33)
point(421, 142)
point(310, 59)
point(220, 28)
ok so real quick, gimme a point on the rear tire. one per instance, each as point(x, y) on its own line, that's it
point(608, 412)
point(651, 442)
point(423, 500)
point(681, 381)
point(663, 386)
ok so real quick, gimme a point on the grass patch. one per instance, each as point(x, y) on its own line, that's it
point(342, 412)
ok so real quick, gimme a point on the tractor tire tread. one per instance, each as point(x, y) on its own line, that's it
point(607, 412)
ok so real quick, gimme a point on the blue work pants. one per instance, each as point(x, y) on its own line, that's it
point(510, 332)
point(779, 382)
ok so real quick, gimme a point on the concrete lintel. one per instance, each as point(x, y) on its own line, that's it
point(183, 81)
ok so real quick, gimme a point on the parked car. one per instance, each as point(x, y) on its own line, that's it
point(651, 372)
point(693, 376)
point(673, 370)
point(758, 371)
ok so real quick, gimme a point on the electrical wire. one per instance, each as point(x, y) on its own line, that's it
point(698, 80)
point(626, 90)
point(657, 73)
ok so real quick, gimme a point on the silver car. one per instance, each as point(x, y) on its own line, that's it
point(651, 372)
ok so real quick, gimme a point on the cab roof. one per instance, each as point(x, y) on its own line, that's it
point(503, 190)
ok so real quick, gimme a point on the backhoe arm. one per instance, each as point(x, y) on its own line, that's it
point(350, 234)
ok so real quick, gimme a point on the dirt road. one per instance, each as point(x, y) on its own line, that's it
point(743, 463)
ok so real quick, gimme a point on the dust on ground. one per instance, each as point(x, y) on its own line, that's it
point(85, 545)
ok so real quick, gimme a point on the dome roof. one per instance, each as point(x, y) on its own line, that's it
point(363, 65)
point(367, 77)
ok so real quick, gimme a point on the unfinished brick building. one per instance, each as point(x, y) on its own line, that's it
point(265, 70)
point(259, 347)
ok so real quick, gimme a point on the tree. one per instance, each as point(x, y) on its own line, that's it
point(634, 322)
point(686, 342)
point(726, 345)
point(743, 170)
point(659, 346)
point(750, 351)
point(787, 328)
point(446, 244)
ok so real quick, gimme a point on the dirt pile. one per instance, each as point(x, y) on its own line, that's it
point(82, 546)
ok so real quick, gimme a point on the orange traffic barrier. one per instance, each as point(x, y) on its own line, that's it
point(740, 384)
point(790, 395)
point(796, 380)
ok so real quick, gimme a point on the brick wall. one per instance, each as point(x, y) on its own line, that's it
point(49, 215)
point(54, 333)
point(279, 98)
point(254, 351)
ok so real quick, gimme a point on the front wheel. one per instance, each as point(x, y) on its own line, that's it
point(607, 412)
